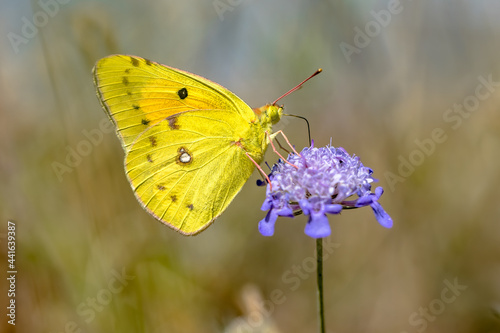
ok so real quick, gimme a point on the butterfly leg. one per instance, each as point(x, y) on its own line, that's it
point(275, 134)
point(282, 148)
point(271, 137)
point(256, 164)
point(261, 171)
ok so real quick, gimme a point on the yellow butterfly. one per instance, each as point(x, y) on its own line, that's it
point(187, 140)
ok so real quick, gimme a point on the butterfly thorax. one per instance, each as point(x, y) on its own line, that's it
point(257, 138)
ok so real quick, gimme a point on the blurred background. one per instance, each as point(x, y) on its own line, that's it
point(412, 87)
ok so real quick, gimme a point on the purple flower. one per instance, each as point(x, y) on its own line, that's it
point(321, 181)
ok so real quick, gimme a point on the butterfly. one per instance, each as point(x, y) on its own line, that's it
point(190, 144)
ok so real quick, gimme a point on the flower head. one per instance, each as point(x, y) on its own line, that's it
point(317, 182)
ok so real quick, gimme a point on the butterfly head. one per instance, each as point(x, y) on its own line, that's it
point(270, 113)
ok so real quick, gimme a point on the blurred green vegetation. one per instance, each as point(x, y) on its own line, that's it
point(80, 229)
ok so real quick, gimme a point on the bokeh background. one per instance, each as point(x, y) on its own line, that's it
point(89, 259)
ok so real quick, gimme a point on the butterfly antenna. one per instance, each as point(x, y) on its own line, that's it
point(297, 87)
point(307, 122)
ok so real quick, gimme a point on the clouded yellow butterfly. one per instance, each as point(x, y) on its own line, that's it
point(187, 140)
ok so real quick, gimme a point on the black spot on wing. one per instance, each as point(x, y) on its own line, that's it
point(172, 122)
point(134, 62)
point(183, 93)
point(125, 80)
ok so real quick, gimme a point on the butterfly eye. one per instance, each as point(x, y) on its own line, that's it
point(275, 113)
point(183, 93)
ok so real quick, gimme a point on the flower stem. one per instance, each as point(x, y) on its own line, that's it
point(319, 270)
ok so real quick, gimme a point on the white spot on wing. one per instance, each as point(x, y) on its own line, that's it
point(184, 157)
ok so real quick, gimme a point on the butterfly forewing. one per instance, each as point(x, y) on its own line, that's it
point(138, 93)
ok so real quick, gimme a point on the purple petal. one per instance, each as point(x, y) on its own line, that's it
point(379, 191)
point(364, 201)
point(318, 226)
point(333, 209)
point(266, 225)
point(343, 151)
point(285, 211)
point(306, 206)
point(382, 217)
point(268, 204)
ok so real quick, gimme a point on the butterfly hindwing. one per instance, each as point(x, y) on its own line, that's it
point(187, 174)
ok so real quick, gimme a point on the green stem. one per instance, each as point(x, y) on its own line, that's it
point(319, 270)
